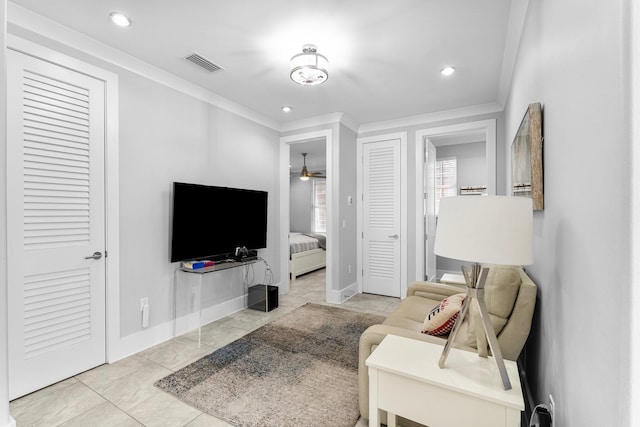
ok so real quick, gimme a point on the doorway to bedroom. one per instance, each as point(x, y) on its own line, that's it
point(306, 205)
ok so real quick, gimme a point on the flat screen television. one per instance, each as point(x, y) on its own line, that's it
point(213, 221)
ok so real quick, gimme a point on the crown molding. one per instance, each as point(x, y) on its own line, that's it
point(439, 116)
point(517, 17)
point(30, 21)
point(312, 121)
point(350, 123)
point(327, 119)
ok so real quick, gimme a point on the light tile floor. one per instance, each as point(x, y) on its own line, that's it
point(122, 393)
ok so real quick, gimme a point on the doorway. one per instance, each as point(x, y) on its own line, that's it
point(308, 208)
point(443, 136)
point(292, 147)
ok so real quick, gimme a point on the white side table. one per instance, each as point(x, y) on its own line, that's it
point(453, 279)
point(405, 380)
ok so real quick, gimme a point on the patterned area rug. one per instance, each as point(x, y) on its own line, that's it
point(299, 370)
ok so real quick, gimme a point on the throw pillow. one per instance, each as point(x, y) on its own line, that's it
point(442, 317)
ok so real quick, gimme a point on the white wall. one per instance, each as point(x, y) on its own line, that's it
point(300, 205)
point(166, 136)
point(573, 58)
point(347, 217)
point(471, 162)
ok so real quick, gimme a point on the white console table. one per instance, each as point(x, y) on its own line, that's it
point(405, 380)
point(220, 266)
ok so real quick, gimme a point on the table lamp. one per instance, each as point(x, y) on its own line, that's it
point(490, 230)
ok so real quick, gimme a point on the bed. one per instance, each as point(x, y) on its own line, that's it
point(307, 253)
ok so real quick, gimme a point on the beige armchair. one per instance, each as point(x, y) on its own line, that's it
point(510, 297)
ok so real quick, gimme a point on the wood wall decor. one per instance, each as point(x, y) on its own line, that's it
point(526, 158)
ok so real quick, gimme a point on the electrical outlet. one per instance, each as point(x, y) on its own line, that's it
point(144, 308)
point(552, 406)
point(349, 270)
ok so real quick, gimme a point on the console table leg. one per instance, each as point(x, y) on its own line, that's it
point(200, 313)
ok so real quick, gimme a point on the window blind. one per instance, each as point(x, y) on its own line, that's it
point(446, 179)
point(319, 212)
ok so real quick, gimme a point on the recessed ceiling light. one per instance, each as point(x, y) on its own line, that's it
point(448, 70)
point(286, 108)
point(119, 19)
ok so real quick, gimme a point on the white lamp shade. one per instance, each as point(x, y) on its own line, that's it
point(486, 229)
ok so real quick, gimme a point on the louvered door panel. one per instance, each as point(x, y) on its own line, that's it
point(57, 310)
point(381, 191)
point(56, 147)
point(56, 219)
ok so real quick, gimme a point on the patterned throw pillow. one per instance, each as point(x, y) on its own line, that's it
point(442, 317)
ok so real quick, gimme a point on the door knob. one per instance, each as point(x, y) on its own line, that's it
point(394, 236)
point(96, 255)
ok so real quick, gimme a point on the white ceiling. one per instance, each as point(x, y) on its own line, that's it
point(384, 56)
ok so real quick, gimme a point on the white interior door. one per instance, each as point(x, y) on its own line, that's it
point(381, 237)
point(55, 220)
point(430, 209)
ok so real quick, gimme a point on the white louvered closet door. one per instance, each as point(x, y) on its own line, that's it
point(381, 222)
point(55, 218)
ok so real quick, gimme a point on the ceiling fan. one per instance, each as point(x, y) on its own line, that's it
point(305, 174)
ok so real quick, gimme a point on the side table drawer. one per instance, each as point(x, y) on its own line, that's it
point(437, 406)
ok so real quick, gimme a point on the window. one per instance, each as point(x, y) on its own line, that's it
point(319, 206)
point(446, 179)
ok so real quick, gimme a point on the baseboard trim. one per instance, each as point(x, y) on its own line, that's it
point(139, 341)
point(339, 297)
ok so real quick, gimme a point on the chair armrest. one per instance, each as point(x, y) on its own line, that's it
point(435, 291)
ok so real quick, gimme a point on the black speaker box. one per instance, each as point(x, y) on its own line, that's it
point(263, 297)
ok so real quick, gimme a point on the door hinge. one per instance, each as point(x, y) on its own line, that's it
point(363, 234)
point(106, 254)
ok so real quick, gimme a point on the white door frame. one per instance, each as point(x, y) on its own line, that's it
point(489, 127)
point(285, 155)
point(112, 197)
point(402, 136)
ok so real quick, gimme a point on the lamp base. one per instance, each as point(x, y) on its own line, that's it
point(475, 280)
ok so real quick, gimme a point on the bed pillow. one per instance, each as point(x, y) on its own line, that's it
point(442, 317)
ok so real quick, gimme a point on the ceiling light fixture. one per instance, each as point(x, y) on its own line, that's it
point(119, 19)
point(448, 70)
point(309, 68)
point(286, 108)
point(305, 174)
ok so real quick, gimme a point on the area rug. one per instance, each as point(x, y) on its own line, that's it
point(298, 370)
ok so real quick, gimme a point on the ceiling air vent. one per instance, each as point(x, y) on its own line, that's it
point(203, 62)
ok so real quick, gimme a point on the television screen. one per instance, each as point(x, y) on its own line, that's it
point(209, 221)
